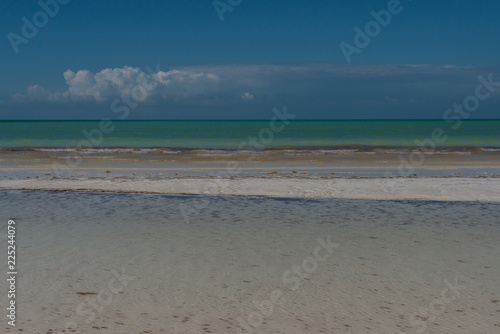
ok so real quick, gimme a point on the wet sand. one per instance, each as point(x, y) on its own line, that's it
point(170, 163)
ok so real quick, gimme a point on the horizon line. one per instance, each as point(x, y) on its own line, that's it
point(257, 120)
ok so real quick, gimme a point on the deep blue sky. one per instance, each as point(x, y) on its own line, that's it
point(94, 35)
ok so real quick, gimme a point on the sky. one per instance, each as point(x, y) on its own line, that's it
point(239, 59)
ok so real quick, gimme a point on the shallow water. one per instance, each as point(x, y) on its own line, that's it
point(226, 134)
point(194, 148)
point(217, 271)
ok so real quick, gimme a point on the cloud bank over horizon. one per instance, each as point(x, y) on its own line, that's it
point(315, 90)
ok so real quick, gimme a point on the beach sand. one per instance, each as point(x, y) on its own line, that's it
point(185, 163)
point(306, 245)
point(131, 263)
point(402, 188)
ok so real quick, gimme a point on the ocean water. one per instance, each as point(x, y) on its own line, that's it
point(233, 135)
point(197, 148)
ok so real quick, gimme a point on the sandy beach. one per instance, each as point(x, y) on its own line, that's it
point(160, 240)
point(131, 263)
point(250, 167)
point(430, 189)
point(141, 243)
point(274, 254)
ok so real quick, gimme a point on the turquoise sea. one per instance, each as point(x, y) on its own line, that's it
point(229, 135)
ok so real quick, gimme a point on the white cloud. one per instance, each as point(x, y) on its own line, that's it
point(247, 97)
point(327, 89)
point(390, 99)
point(109, 84)
point(38, 93)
